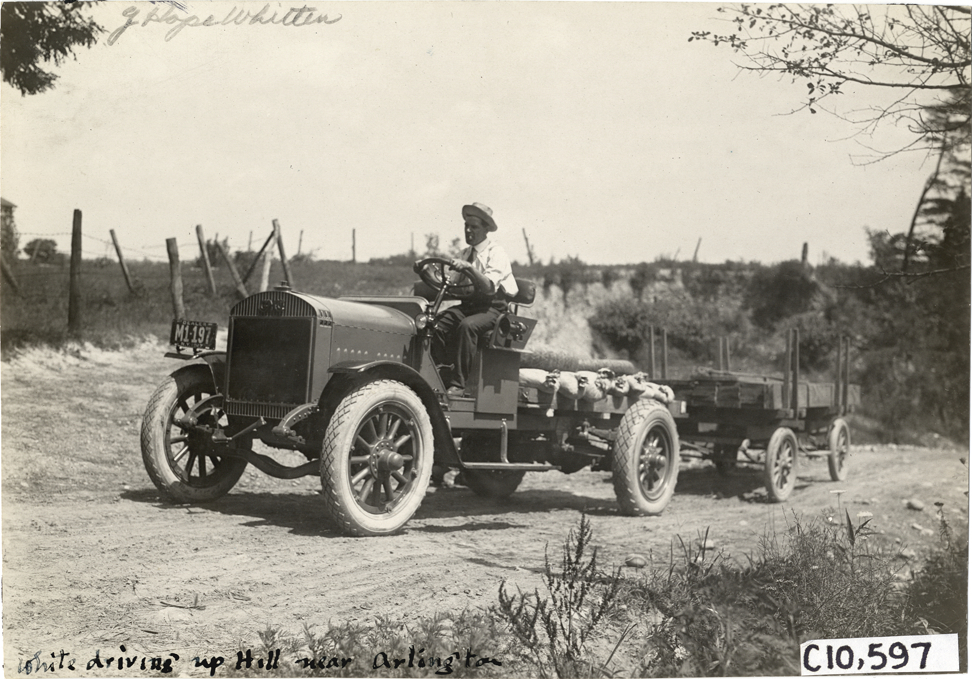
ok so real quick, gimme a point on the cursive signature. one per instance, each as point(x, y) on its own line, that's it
point(295, 16)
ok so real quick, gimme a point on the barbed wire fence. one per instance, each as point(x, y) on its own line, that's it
point(47, 269)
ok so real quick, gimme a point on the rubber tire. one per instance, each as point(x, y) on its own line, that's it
point(644, 419)
point(839, 441)
point(340, 504)
point(724, 459)
point(157, 427)
point(780, 477)
point(492, 483)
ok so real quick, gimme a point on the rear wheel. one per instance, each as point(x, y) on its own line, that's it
point(780, 470)
point(182, 462)
point(839, 442)
point(495, 483)
point(376, 460)
point(645, 460)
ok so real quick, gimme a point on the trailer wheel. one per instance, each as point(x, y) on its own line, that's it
point(376, 459)
point(645, 460)
point(183, 464)
point(840, 442)
point(494, 483)
point(724, 458)
point(780, 471)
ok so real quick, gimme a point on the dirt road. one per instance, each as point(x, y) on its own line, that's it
point(93, 560)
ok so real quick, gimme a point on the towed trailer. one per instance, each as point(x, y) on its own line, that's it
point(768, 422)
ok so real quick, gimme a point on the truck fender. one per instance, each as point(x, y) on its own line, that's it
point(445, 447)
point(215, 361)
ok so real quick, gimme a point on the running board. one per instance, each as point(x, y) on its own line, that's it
point(509, 466)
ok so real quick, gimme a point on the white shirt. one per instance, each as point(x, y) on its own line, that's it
point(491, 260)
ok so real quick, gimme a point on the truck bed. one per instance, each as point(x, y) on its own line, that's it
point(746, 390)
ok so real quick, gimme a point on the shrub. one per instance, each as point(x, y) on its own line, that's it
point(711, 618)
point(938, 593)
point(554, 630)
point(609, 276)
point(693, 326)
point(777, 292)
point(644, 275)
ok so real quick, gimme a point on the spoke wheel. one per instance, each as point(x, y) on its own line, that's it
point(183, 463)
point(780, 465)
point(840, 442)
point(645, 460)
point(376, 459)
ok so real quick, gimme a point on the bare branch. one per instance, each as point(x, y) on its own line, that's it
point(889, 275)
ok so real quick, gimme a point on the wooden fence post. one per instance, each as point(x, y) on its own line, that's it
point(74, 287)
point(664, 365)
point(8, 275)
point(246, 276)
point(175, 272)
point(354, 246)
point(240, 288)
point(283, 255)
point(529, 249)
point(121, 260)
point(205, 259)
point(265, 274)
point(651, 352)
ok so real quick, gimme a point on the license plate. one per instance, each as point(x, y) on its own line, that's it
point(193, 334)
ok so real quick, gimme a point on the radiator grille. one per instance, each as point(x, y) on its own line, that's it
point(270, 411)
point(278, 303)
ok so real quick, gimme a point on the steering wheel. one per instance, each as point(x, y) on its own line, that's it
point(439, 274)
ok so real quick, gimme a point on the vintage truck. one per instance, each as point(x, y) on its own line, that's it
point(350, 384)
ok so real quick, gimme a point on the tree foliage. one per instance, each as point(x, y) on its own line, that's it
point(36, 33)
point(41, 250)
point(918, 52)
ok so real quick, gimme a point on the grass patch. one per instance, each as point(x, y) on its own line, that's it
point(694, 613)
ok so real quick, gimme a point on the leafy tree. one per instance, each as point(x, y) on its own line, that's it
point(643, 276)
point(780, 291)
point(43, 250)
point(432, 245)
point(32, 33)
point(918, 54)
point(911, 50)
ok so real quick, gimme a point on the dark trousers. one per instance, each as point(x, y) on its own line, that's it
point(456, 338)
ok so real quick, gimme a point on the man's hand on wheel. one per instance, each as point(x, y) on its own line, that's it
point(460, 264)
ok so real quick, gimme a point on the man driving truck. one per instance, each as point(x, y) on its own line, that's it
point(458, 328)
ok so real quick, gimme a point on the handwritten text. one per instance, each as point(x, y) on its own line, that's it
point(295, 16)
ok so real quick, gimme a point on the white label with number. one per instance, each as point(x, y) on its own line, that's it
point(923, 653)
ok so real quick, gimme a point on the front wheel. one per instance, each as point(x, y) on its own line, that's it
point(839, 442)
point(183, 463)
point(645, 460)
point(376, 460)
point(780, 470)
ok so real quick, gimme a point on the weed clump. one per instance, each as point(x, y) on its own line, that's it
point(938, 593)
point(696, 613)
point(553, 631)
point(708, 616)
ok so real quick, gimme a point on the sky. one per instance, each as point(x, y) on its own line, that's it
point(595, 128)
